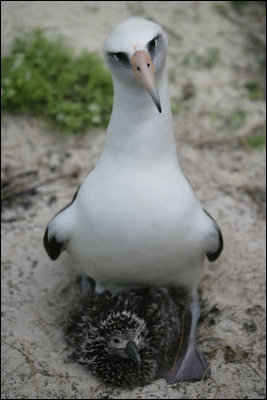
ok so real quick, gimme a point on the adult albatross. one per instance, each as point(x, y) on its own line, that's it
point(135, 220)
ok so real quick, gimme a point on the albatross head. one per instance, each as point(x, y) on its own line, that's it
point(135, 52)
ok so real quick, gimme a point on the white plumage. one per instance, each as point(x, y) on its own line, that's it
point(135, 219)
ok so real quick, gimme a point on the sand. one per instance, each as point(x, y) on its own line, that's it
point(227, 175)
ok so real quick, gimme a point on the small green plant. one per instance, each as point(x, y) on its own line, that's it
point(239, 5)
point(257, 139)
point(220, 9)
point(42, 77)
point(235, 119)
point(231, 120)
point(207, 61)
point(255, 90)
point(175, 105)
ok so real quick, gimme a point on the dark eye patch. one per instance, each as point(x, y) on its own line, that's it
point(120, 57)
point(151, 46)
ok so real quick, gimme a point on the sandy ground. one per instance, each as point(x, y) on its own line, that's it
point(227, 175)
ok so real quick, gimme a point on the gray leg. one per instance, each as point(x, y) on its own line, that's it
point(191, 363)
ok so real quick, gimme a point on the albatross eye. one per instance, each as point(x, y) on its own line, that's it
point(120, 56)
point(151, 46)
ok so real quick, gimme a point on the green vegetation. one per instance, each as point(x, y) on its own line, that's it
point(255, 90)
point(239, 5)
point(42, 77)
point(181, 103)
point(257, 139)
point(231, 120)
point(220, 9)
point(175, 105)
point(208, 60)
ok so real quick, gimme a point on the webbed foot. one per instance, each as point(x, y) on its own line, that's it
point(191, 363)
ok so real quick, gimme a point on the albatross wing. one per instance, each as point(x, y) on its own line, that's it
point(52, 242)
point(52, 246)
point(213, 252)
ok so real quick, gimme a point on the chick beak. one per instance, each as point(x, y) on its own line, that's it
point(145, 72)
point(132, 352)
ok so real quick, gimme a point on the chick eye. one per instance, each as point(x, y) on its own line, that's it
point(116, 340)
point(121, 57)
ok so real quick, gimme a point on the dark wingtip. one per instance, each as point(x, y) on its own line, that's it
point(52, 246)
point(213, 256)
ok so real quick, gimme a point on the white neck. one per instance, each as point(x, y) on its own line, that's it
point(137, 132)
